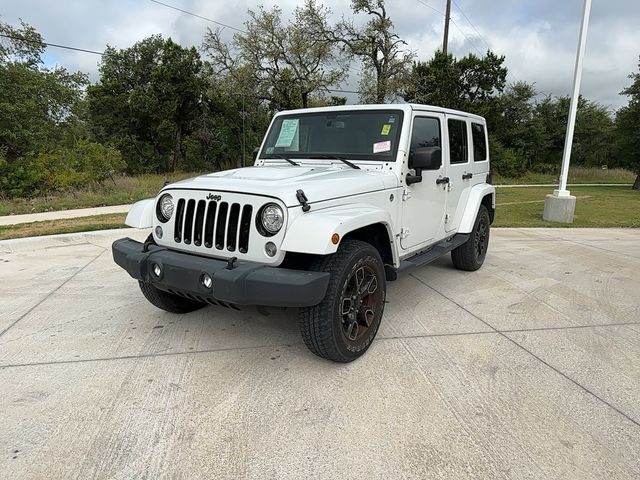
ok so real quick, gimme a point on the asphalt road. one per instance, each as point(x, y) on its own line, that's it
point(529, 368)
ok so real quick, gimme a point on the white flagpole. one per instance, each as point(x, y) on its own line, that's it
point(573, 109)
point(560, 206)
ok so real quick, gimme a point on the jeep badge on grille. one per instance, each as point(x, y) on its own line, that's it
point(211, 196)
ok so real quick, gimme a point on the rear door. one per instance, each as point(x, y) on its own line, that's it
point(458, 169)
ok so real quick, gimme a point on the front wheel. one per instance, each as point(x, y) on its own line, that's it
point(342, 327)
point(470, 255)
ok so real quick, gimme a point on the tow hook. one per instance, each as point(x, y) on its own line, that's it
point(147, 243)
point(302, 198)
point(230, 263)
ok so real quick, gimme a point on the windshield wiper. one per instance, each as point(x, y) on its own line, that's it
point(277, 155)
point(336, 157)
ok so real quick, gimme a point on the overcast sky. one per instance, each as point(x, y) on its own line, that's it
point(538, 37)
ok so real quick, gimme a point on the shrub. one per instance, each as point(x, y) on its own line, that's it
point(60, 169)
point(504, 161)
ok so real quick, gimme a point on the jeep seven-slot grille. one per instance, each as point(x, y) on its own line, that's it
point(213, 224)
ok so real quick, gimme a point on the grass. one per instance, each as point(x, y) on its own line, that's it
point(123, 190)
point(597, 207)
point(69, 225)
point(576, 175)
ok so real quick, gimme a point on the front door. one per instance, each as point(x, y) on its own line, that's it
point(423, 207)
point(458, 169)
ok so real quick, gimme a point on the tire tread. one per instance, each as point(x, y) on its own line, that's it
point(464, 256)
point(315, 321)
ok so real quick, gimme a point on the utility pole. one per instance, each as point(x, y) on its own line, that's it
point(447, 17)
point(560, 206)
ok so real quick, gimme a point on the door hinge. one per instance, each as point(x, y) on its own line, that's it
point(449, 187)
point(406, 194)
point(446, 218)
point(404, 233)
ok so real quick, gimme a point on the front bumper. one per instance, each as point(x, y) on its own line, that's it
point(247, 283)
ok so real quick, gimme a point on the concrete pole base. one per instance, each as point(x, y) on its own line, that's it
point(559, 208)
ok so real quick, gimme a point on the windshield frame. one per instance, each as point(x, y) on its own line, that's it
point(354, 157)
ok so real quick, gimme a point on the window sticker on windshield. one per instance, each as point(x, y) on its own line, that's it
point(382, 147)
point(392, 119)
point(288, 131)
point(385, 129)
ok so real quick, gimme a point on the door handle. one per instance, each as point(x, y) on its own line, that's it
point(442, 180)
point(467, 176)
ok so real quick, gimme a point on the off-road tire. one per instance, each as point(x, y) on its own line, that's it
point(168, 301)
point(470, 255)
point(323, 325)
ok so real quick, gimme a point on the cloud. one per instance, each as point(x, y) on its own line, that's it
point(538, 37)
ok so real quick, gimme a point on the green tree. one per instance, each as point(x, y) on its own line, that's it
point(233, 124)
point(470, 83)
point(518, 135)
point(594, 138)
point(37, 104)
point(147, 100)
point(593, 143)
point(628, 128)
point(386, 61)
point(286, 63)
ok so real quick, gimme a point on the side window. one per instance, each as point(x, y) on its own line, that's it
point(479, 142)
point(426, 133)
point(458, 141)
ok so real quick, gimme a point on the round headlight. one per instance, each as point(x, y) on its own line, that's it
point(165, 208)
point(272, 218)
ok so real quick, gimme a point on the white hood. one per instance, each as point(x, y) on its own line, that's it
point(282, 181)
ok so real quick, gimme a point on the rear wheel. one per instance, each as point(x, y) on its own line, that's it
point(168, 301)
point(470, 255)
point(342, 327)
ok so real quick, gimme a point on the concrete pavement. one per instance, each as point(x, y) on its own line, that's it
point(528, 368)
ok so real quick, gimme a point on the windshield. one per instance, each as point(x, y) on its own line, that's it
point(354, 135)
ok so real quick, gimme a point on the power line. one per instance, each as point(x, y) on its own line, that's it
point(431, 7)
point(467, 37)
point(459, 8)
point(452, 21)
point(198, 16)
point(105, 54)
point(56, 45)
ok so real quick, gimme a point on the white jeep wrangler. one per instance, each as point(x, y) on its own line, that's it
point(340, 201)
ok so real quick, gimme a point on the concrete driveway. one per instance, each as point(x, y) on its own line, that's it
point(529, 368)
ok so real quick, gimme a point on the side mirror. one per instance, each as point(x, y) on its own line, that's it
point(427, 158)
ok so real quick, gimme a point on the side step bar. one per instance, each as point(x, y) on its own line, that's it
point(428, 256)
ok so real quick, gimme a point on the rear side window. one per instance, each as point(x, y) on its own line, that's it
point(426, 133)
point(458, 141)
point(479, 142)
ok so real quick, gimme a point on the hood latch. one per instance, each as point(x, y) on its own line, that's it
point(302, 198)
